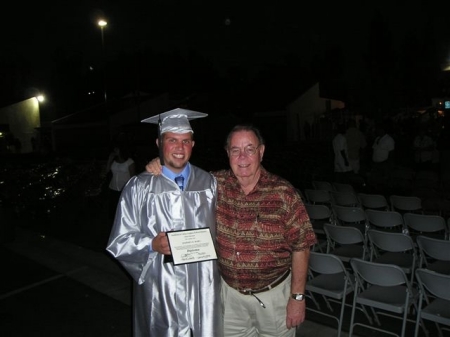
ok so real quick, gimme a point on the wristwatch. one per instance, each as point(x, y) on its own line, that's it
point(298, 297)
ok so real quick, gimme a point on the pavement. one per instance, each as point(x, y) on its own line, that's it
point(55, 288)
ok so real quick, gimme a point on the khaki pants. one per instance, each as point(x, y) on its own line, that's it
point(245, 317)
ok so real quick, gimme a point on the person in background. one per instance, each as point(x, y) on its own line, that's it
point(342, 167)
point(382, 158)
point(383, 148)
point(264, 237)
point(356, 142)
point(122, 168)
point(423, 146)
point(169, 300)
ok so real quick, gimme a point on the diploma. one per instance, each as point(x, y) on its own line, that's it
point(191, 245)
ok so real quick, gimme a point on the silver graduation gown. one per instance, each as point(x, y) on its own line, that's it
point(168, 300)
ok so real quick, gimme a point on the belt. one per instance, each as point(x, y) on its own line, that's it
point(266, 288)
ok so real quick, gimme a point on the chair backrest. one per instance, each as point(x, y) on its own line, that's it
point(319, 212)
point(350, 216)
point(319, 215)
point(324, 263)
point(437, 284)
point(344, 199)
point(425, 223)
point(373, 201)
point(438, 249)
point(385, 219)
point(391, 242)
point(314, 196)
point(342, 187)
point(344, 235)
point(385, 275)
point(322, 185)
point(405, 204)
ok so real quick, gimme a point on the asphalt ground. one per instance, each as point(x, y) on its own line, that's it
point(51, 287)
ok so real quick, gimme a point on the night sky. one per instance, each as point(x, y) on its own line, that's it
point(225, 34)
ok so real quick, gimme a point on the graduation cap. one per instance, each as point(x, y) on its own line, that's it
point(176, 121)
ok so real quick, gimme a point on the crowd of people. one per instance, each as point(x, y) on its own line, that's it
point(373, 153)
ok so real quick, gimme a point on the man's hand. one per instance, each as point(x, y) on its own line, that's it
point(160, 244)
point(154, 167)
point(295, 313)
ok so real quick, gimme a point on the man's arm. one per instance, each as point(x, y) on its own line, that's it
point(296, 309)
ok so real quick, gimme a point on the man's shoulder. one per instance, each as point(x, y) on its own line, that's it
point(274, 180)
point(221, 174)
point(199, 171)
point(200, 174)
point(141, 178)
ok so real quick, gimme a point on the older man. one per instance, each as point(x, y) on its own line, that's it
point(264, 236)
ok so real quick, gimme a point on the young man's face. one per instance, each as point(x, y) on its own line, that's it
point(177, 149)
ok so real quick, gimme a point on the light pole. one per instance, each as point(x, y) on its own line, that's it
point(102, 24)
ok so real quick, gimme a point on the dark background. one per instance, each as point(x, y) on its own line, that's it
point(376, 56)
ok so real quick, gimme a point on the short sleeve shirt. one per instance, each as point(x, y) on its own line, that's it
point(381, 148)
point(257, 233)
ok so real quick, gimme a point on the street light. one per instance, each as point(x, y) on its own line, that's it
point(102, 24)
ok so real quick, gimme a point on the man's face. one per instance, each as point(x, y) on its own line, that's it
point(245, 154)
point(177, 149)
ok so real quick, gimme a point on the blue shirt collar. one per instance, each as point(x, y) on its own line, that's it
point(171, 175)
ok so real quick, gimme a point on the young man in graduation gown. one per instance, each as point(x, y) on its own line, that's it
point(169, 299)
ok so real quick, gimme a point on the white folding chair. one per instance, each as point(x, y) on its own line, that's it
point(393, 248)
point(329, 278)
point(426, 224)
point(322, 185)
point(434, 254)
point(384, 287)
point(344, 199)
point(320, 197)
point(385, 220)
point(342, 187)
point(373, 201)
point(434, 300)
point(345, 242)
point(351, 216)
point(319, 215)
point(405, 204)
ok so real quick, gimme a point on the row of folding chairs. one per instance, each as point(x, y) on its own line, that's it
point(359, 233)
point(399, 203)
point(346, 195)
point(403, 179)
point(412, 223)
point(388, 247)
point(378, 289)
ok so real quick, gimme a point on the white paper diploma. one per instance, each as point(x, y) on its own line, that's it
point(191, 245)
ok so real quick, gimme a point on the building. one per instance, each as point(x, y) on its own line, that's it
point(18, 126)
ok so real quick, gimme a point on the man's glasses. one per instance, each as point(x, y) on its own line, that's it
point(248, 151)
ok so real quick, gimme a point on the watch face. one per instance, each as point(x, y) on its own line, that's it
point(298, 297)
